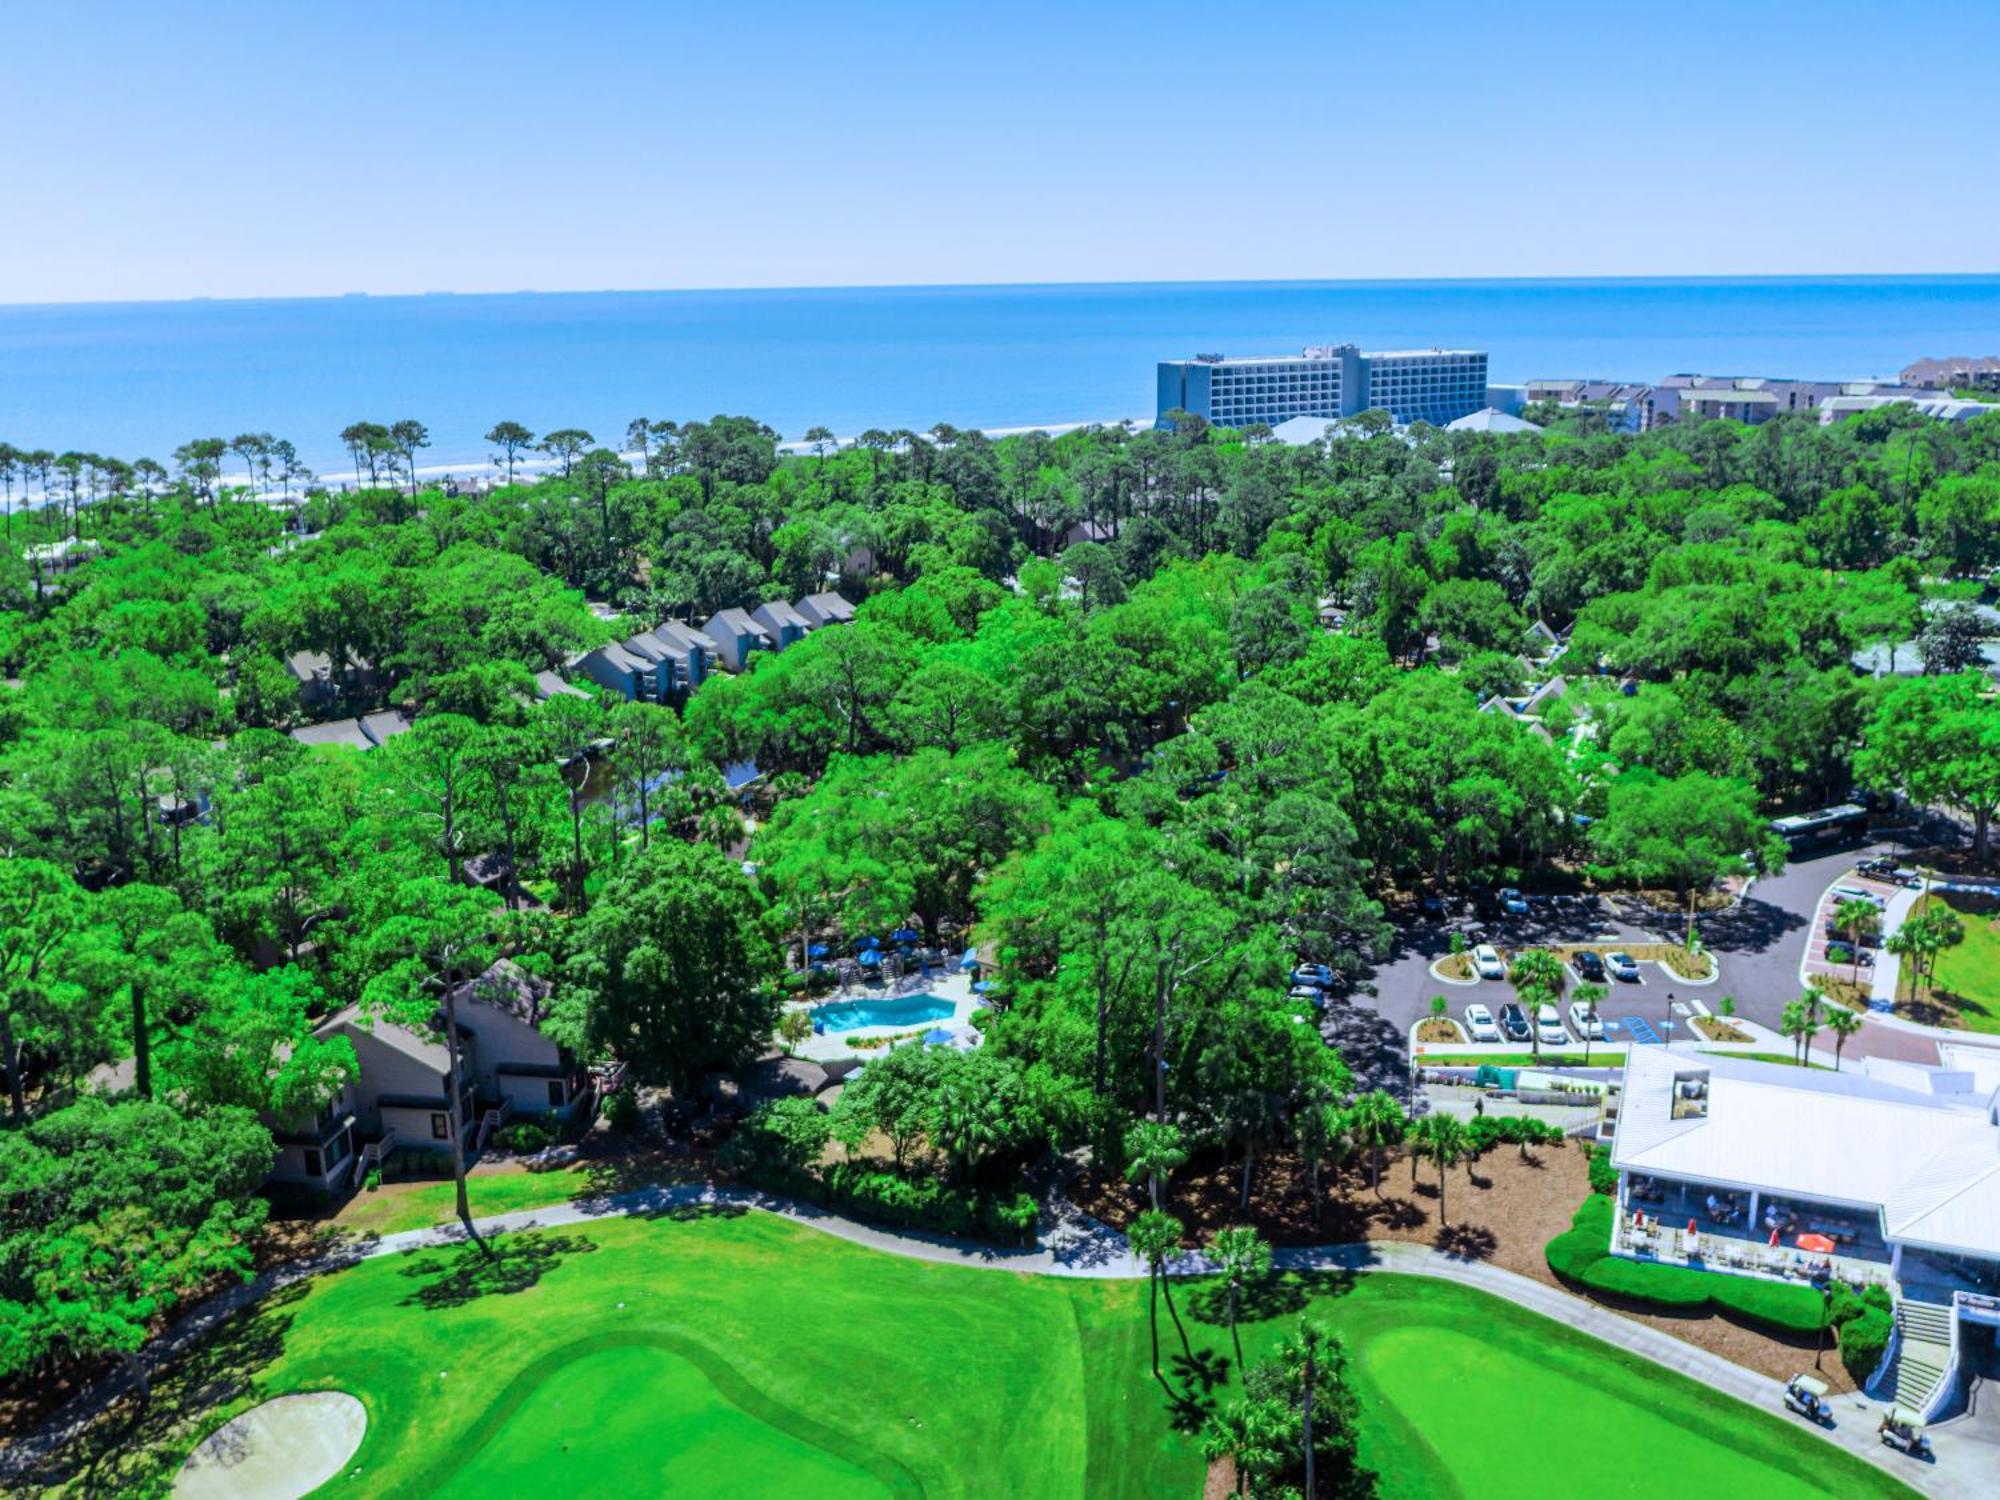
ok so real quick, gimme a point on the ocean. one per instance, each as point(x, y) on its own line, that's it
point(138, 379)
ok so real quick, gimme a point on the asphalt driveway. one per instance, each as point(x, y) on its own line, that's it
point(1759, 944)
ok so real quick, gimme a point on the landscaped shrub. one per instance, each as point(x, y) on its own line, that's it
point(926, 1203)
point(1487, 1131)
point(1582, 1254)
point(1603, 1176)
point(622, 1109)
point(525, 1138)
point(1587, 1240)
point(1864, 1337)
point(778, 1143)
point(1642, 1281)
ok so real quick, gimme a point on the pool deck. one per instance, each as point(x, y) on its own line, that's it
point(839, 1046)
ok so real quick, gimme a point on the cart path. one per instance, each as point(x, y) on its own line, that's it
point(1073, 1244)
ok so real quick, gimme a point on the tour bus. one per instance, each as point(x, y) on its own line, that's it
point(1848, 820)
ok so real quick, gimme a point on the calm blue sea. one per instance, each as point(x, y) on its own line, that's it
point(137, 379)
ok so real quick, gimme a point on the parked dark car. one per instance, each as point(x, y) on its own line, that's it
point(1589, 967)
point(1514, 1021)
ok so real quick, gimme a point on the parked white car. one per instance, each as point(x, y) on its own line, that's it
point(1549, 1027)
point(1622, 966)
point(1486, 962)
point(1586, 1023)
point(1480, 1023)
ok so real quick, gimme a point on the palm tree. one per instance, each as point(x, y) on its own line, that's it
point(1843, 1024)
point(1853, 917)
point(1537, 976)
point(1537, 968)
point(1448, 1139)
point(1806, 1034)
point(1589, 996)
point(1154, 1150)
point(1153, 1237)
point(1322, 1130)
point(1378, 1122)
point(1800, 1022)
point(1906, 943)
point(1242, 1256)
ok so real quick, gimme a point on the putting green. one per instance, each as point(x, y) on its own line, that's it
point(641, 1419)
point(1493, 1419)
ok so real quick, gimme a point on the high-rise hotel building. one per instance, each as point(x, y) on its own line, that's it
point(1339, 380)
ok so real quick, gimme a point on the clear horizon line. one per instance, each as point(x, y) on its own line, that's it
point(1603, 278)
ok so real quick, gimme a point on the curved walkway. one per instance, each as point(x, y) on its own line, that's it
point(1076, 1245)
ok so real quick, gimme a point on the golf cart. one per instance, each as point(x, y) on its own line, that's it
point(1903, 1430)
point(1806, 1395)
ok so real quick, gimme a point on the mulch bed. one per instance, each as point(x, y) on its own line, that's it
point(1502, 1209)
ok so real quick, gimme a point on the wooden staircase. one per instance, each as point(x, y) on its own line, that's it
point(491, 1121)
point(370, 1156)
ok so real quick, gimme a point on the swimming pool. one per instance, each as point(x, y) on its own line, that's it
point(910, 1010)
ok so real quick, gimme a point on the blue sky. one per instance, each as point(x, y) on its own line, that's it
point(199, 149)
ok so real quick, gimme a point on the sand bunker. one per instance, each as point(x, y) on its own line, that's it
point(281, 1450)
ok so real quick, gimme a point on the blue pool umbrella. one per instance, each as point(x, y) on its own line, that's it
point(937, 1036)
point(817, 950)
point(971, 959)
point(864, 944)
point(903, 935)
point(981, 986)
point(870, 959)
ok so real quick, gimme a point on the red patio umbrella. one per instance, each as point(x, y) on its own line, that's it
point(1774, 1239)
point(1818, 1244)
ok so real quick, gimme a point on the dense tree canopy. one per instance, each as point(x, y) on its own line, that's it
point(1145, 718)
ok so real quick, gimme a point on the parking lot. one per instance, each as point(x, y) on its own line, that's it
point(1759, 943)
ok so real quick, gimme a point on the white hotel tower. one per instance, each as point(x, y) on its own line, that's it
point(1339, 380)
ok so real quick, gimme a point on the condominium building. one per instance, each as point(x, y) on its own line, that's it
point(1332, 381)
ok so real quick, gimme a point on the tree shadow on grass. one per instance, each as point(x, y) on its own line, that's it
point(1260, 1301)
point(463, 1273)
point(1189, 1411)
point(631, 1170)
point(132, 1449)
point(1200, 1374)
point(692, 1213)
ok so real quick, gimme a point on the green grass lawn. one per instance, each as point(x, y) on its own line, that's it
point(417, 1205)
point(746, 1355)
point(1970, 973)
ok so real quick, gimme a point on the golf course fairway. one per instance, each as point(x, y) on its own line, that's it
point(739, 1353)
